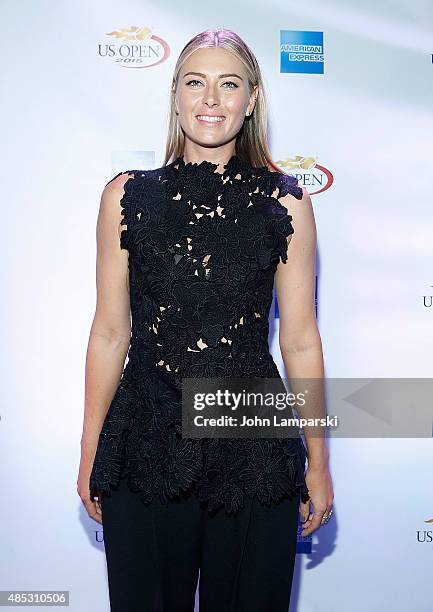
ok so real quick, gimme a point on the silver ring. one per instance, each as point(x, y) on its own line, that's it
point(326, 517)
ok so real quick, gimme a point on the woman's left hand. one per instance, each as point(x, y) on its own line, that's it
point(319, 483)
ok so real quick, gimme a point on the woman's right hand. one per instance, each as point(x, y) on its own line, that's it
point(93, 506)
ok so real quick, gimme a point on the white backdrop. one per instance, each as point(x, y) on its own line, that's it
point(72, 118)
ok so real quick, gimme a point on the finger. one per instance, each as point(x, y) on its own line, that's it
point(304, 510)
point(314, 523)
point(326, 515)
point(95, 515)
point(306, 528)
point(91, 509)
point(98, 502)
point(307, 520)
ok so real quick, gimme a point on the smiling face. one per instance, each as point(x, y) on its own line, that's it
point(213, 97)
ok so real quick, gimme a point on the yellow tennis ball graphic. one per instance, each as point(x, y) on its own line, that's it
point(307, 163)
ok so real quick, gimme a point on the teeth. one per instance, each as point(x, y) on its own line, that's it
point(211, 119)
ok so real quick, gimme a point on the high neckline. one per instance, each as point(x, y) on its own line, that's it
point(205, 165)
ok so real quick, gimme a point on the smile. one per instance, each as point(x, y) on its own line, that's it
point(210, 119)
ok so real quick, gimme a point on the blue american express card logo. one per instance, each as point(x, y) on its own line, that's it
point(301, 52)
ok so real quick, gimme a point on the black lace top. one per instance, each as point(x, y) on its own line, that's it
point(203, 249)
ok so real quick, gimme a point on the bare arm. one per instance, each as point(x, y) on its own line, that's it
point(111, 328)
point(301, 346)
point(299, 337)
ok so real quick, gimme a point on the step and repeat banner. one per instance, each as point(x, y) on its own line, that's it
point(350, 95)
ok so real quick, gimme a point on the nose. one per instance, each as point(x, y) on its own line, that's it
point(211, 97)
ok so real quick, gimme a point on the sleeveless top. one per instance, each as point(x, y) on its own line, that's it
point(203, 248)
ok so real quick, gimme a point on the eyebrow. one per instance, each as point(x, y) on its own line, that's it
point(220, 76)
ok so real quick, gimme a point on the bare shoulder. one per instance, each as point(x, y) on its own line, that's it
point(302, 213)
point(115, 186)
point(302, 208)
point(113, 193)
point(293, 204)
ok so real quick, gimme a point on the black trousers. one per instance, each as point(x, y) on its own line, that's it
point(155, 554)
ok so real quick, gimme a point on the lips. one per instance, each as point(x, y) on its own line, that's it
point(209, 115)
point(211, 119)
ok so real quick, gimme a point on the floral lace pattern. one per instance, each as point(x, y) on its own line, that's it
point(203, 248)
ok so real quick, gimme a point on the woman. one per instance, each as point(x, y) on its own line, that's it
point(192, 249)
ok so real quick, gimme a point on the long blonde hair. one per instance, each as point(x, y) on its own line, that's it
point(251, 142)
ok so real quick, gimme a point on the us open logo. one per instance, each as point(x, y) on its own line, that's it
point(134, 47)
point(311, 175)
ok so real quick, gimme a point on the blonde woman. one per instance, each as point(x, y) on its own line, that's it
point(191, 250)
